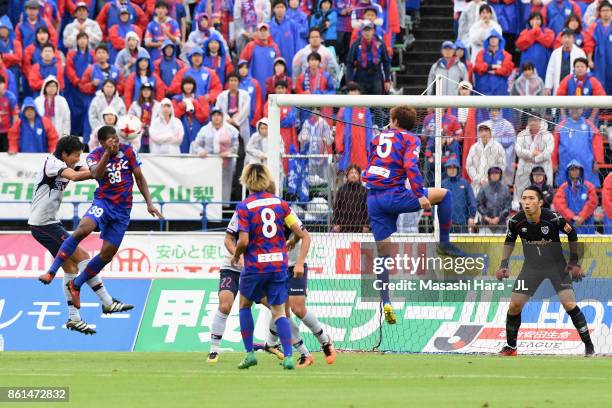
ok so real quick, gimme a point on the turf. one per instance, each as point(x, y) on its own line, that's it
point(355, 380)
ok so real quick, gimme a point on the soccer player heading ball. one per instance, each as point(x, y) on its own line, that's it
point(115, 166)
point(394, 159)
point(539, 230)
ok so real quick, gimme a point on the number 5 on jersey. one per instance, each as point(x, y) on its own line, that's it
point(384, 145)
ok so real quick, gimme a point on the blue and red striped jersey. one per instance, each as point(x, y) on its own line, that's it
point(117, 183)
point(263, 216)
point(393, 158)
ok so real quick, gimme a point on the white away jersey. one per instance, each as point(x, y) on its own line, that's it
point(50, 186)
point(232, 229)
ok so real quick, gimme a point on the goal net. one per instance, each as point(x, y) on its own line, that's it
point(484, 149)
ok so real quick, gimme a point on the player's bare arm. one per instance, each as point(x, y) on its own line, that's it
point(241, 246)
point(143, 187)
point(302, 234)
point(230, 245)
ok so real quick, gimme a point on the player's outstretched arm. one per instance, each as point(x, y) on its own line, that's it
point(98, 169)
point(143, 187)
point(76, 175)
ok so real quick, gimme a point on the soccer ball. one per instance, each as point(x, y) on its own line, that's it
point(129, 127)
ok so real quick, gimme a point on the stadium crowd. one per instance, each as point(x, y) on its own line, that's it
point(200, 85)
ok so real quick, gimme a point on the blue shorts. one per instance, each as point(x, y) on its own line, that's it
point(384, 206)
point(50, 236)
point(229, 280)
point(271, 285)
point(111, 221)
point(297, 286)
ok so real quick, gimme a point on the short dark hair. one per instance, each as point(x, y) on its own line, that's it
point(583, 60)
point(188, 80)
point(317, 29)
point(485, 7)
point(101, 46)
point(314, 55)
point(68, 145)
point(353, 86)
point(536, 14)
point(527, 65)
point(82, 34)
point(604, 4)
point(405, 116)
point(282, 83)
point(161, 3)
point(42, 29)
point(105, 132)
point(47, 45)
point(2, 80)
point(537, 190)
point(353, 166)
point(232, 75)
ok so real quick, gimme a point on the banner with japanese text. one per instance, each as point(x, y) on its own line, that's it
point(33, 316)
point(182, 183)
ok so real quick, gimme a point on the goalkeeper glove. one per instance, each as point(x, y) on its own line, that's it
point(502, 273)
point(575, 271)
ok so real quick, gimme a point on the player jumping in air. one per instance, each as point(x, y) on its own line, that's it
point(539, 230)
point(114, 165)
point(261, 217)
point(58, 170)
point(394, 158)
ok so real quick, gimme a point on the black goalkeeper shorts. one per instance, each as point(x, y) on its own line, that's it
point(529, 279)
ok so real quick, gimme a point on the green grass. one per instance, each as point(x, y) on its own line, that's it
point(163, 380)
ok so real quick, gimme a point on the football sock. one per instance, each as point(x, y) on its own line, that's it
point(96, 285)
point(298, 343)
point(384, 278)
point(66, 250)
point(272, 334)
point(513, 323)
point(73, 312)
point(217, 329)
point(581, 324)
point(284, 332)
point(313, 324)
point(93, 268)
point(246, 328)
point(445, 212)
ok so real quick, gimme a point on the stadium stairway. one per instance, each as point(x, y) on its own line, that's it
point(435, 27)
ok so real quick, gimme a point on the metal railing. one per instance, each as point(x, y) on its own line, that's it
point(163, 223)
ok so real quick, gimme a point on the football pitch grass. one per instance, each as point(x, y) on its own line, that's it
point(354, 380)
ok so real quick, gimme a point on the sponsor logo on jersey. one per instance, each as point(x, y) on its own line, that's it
point(263, 202)
point(272, 257)
point(379, 171)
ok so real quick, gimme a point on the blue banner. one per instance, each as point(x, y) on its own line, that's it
point(33, 316)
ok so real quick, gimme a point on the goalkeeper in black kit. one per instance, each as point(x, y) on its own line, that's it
point(539, 229)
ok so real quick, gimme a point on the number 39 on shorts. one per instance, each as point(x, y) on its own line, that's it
point(96, 211)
